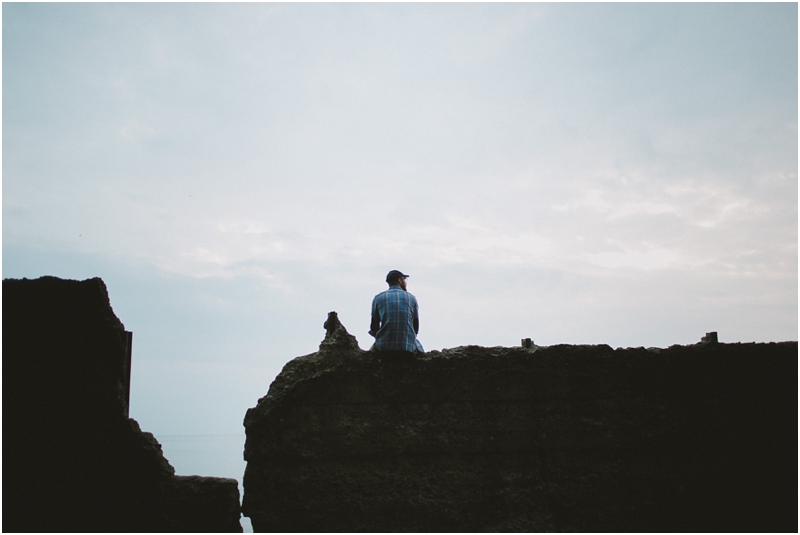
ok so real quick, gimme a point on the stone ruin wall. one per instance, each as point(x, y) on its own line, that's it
point(72, 459)
point(563, 438)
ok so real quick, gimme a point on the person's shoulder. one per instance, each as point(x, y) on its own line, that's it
point(380, 295)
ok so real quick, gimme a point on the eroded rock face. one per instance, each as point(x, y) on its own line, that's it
point(72, 459)
point(562, 438)
point(199, 504)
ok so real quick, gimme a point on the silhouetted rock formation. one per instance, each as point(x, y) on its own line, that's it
point(561, 438)
point(72, 459)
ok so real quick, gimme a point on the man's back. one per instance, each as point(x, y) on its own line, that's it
point(395, 320)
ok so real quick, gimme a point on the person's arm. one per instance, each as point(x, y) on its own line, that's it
point(416, 317)
point(375, 324)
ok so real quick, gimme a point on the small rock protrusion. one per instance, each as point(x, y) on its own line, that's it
point(527, 343)
point(709, 338)
point(336, 336)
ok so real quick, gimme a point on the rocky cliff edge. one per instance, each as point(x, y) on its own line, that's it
point(562, 438)
point(72, 459)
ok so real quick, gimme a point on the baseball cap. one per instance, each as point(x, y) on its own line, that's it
point(393, 275)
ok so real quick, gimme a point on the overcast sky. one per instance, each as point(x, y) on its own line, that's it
point(572, 173)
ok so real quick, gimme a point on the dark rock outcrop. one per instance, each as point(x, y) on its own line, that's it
point(204, 504)
point(563, 438)
point(72, 459)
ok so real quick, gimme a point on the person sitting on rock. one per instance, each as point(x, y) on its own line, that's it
point(395, 318)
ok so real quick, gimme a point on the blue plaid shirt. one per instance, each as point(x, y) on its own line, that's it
point(395, 320)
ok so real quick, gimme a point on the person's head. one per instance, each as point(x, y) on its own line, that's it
point(396, 278)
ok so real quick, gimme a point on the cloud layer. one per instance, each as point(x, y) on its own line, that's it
point(575, 173)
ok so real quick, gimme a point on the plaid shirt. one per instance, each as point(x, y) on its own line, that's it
point(395, 320)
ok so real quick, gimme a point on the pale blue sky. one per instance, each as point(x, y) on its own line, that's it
point(573, 173)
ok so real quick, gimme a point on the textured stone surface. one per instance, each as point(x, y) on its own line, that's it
point(72, 459)
point(562, 438)
point(204, 504)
